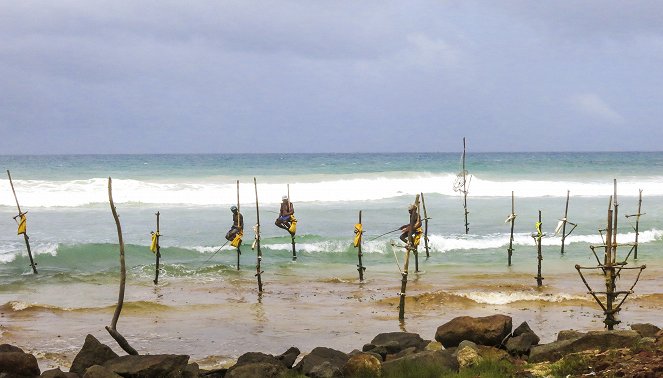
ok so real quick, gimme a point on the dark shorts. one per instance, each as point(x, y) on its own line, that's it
point(284, 218)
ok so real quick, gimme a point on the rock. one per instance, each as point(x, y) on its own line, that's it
point(191, 370)
point(434, 345)
point(257, 357)
point(645, 329)
point(488, 330)
point(400, 354)
point(92, 353)
point(522, 328)
point(214, 373)
point(397, 341)
point(289, 357)
point(18, 364)
point(57, 373)
point(318, 356)
point(257, 369)
point(466, 343)
point(467, 356)
point(10, 348)
point(148, 366)
point(569, 334)
point(97, 371)
point(325, 370)
point(521, 345)
point(592, 340)
point(363, 365)
point(440, 358)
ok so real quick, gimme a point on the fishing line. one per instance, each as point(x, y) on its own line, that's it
point(224, 244)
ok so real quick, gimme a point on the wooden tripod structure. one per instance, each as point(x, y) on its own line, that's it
point(611, 268)
point(20, 217)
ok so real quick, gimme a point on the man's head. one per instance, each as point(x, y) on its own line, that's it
point(284, 198)
point(233, 208)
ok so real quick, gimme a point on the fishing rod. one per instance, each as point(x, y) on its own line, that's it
point(386, 233)
point(217, 251)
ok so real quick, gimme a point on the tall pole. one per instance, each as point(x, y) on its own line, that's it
point(25, 234)
point(423, 204)
point(259, 252)
point(158, 253)
point(409, 247)
point(513, 221)
point(539, 278)
point(239, 252)
point(467, 225)
point(637, 226)
point(566, 213)
point(292, 236)
point(610, 272)
point(360, 267)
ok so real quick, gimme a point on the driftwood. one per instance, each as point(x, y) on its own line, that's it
point(359, 234)
point(158, 252)
point(112, 329)
point(512, 219)
point(423, 204)
point(257, 241)
point(409, 247)
point(25, 234)
point(611, 268)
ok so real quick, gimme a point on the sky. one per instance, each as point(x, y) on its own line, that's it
point(82, 76)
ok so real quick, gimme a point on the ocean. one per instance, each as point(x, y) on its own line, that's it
point(202, 298)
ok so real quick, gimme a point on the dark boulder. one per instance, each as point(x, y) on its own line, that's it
point(98, 371)
point(397, 341)
point(57, 373)
point(92, 353)
point(256, 369)
point(148, 366)
point(645, 329)
point(488, 330)
point(10, 348)
point(363, 365)
point(439, 358)
point(593, 340)
point(320, 355)
point(289, 357)
point(191, 370)
point(569, 334)
point(521, 344)
point(18, 364)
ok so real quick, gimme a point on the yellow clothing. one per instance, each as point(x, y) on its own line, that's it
point(417, 236)
point(155, 242)
point(358, 232)
point(22, 225)
point(293, 225)
point(237, 241)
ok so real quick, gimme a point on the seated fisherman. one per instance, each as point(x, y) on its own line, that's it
point(238, 224)
point(285, 214)
point(414, 220)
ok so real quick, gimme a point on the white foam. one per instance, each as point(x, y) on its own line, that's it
point(317, 188)
point(502, 298)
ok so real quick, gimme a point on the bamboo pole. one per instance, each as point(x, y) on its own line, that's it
point(112, 329)
point(415, 251)
point(158, 253)
point(423, 204)
point(637, 226)
point(566, 213)
point(25, 234)
point(467, 225)
point(610, 275)
point(513, 220)
point(258, 251)
point(360, 266)
point(239, 214)
point(409, 247)
point(292, 236)
point(539, 278)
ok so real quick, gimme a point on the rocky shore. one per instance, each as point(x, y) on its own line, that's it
point(465, 346)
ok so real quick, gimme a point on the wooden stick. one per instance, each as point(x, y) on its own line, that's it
point(259, 251)
point(610, 273)
point(239, 252)
point(112, 329)
point(467, 225)
point(409, 247)
point(637, 226)
point(292, 237)
point(415, 252)
point(566, 213)
point(423, 204)
point(360, 267)
point(513, 220)
point(25, 234)
point(539, 278)
point(156, 270)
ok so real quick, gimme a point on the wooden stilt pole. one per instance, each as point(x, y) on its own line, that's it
point(408, 247)
point(258, 251)
point(566, 213)
point(467, 225)
point(158, 252)
point(513, 221)
point(539, 278)
point(360, 266)
point(637, 226)
point(415, 251)
point(239, 252)
point(292, 236)
point(112, 329)
point(25, 234)
point(423, 204)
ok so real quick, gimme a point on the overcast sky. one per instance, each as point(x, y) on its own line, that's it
point(80, 76)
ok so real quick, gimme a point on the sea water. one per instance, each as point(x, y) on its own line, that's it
point(74, 238)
